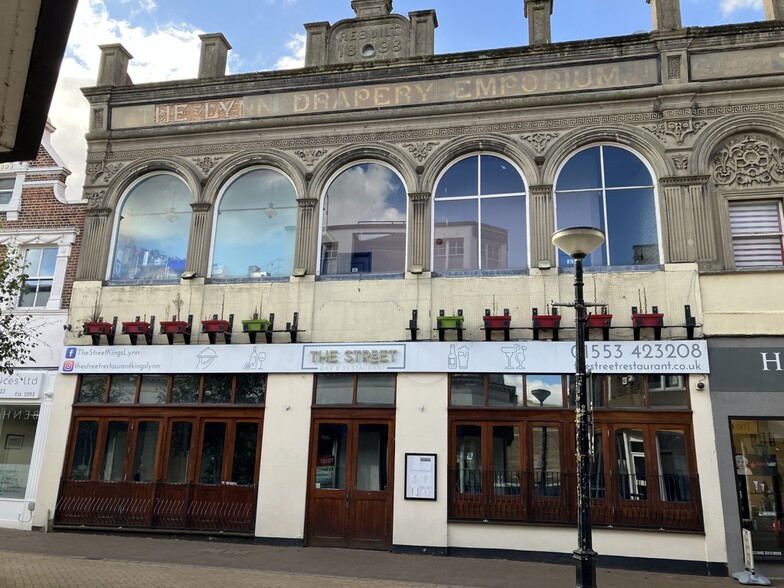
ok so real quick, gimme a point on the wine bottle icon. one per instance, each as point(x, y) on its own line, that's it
point(452, 358)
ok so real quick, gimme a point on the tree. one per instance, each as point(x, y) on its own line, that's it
point(16, 342)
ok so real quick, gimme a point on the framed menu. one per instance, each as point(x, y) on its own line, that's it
point(421, 482)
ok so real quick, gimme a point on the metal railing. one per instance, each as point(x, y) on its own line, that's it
point(661, 502)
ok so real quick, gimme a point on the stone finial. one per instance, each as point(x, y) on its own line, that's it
point(423, 32)
point(113, 69)
point(371, 8)
point(666, 14)
point(316, 43)
point(774, 9)
point(538, 13)
point(214, 53)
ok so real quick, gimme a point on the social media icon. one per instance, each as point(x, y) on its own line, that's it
point(68, 366)
point(70, 353)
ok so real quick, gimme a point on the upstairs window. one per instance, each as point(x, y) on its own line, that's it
point(6, 190)
point(363, 222)
point(480, 216)
point(757, 233)
point(39, 267)
point(611, 189)
point(152, 230)
point(255, 227)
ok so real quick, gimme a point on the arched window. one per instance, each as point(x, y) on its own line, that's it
point(255, 228)
point(609, 188)
point(153, 226)
point(479, 216)
point(363, 222)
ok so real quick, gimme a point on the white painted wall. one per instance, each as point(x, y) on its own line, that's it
point(284, 457)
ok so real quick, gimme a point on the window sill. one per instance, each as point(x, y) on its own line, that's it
point(264, 279)
point(744, 270)
point(605, 269)
point(481, 273)
point(359, 276)
point(147, 282)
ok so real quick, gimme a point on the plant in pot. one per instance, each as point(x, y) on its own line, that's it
point(600, 320)
point(175, 325)
point(643, 319)
point(135, 327)
point(450, 321)
point(495, 320)
point(95, 325)
point(546, 321)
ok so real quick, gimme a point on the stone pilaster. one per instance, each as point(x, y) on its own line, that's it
point(423, 32)
point(666, 14)
point(214, 53)
point(542, 224)
point(113, 69)
point(688, 217)
point(199, 242)
point(96, 239)
point(774, 9)
point(307, 229)
point(538, 13)
point(419, 230)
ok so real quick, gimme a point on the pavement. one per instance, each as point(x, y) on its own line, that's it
point(91, 560)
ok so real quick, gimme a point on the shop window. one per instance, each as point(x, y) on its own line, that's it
point(635, 391)
point(122, 389)
point(255, 227)
point(39, 264)
point(757, 233)
point(18, 425)
point(179, 452)
point(507, 390)
point(479, 216)
point(358, 389)
point(217, 389)
point(114, 451)
point(212, 450)
point(6, 189)
point(84, 449)
point(153, 389)
point(146, 450)
point(153, 227)
point(363, 222)
point(250, 389)
point(609, 188)
point(92, 389)
point(185, 389)
point(757, 446)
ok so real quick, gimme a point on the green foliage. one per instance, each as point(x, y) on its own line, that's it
point(16, 340)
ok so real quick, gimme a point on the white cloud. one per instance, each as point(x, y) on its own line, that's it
point(296, 59)
point(167, 52)
point(730, 6)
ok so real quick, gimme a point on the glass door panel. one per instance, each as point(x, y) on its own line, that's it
point(630, 448)
point(179, 452)
point(212, 449)
point(469, 459)
point(243, 469)
point(372, 443)
point(84, 450)
point(331, 456)
point(506, 460)
point(146, 450)
point(114, 451)
point(673, 466)
point(547, 461)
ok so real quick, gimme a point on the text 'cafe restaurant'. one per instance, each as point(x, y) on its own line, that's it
point(434, 446)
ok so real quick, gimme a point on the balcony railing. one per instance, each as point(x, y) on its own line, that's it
point(157, 505)
point(660, 502)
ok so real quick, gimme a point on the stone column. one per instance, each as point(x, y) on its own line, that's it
point(687, 217)
point(96, 240)
point(774, 9)
point(538, 13)
point(371, 8)
point(423, 32)
point(199, 242)
point(316, 44)
point(113, 69)
point(307, 231)
point(419, 230)
point(666, 14)
point(542, 224)
point(214, 53)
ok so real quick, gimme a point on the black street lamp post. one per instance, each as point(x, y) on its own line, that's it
point(577, 243)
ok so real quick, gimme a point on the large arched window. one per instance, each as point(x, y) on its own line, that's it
point(363, 222)
point(479, 217)
point(153, 226)
point(609, 188)
point(255, 227)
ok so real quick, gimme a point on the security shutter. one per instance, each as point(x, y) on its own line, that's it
point(757, 233)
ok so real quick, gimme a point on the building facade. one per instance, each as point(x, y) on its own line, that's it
point(341, 295)
point(38, 220)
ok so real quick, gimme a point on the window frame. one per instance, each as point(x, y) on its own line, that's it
point(354, 388)
point(14, 204)
point(37, 277)
point(727, 198)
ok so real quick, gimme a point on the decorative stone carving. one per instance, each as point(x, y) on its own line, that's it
point(420, 150)
point(95, 199)
point(539, 141)
point(751, 161)
point(94, 170)
point(98, 118)
point(673, 67)
point(310, 156)
point(205, 164)
point(109, 170)
point(677, 129)
point(680, 161)
point(200, 206)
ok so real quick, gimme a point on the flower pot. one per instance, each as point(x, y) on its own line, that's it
point(135, 328)
point(97, 328)
point(653, 319)
point(546, 321)
point(255, 325)
point(172, 327)
point(601, 321)
point(214, 326)
point(497, 322)
point(450, 322)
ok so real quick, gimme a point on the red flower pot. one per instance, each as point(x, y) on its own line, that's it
point(653, 319)
point(214, 326)
point(97, 328)
point(497, 322)
point(135, 327)
point(172, 327)
point(546, 321)
point(599, 320)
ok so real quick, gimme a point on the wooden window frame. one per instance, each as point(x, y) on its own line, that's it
point(354, 386)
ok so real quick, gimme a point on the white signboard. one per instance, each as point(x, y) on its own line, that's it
point(421, 476)
point(22, 384)
point(538, 357)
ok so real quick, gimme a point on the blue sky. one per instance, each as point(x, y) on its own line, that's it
point(269, 34)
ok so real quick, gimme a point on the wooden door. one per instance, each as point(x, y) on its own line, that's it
point(350, 498)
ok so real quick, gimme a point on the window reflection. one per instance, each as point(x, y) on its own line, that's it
point(255, 227)
point(480, 216)
point(609, 188)
point(153, 228)
point(363, 222)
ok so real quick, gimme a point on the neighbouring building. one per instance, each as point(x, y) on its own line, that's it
point(304, 261)
point(38, 219)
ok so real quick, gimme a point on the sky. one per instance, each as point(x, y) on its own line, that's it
point(163, 37)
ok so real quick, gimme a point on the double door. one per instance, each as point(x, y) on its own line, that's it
point(350, 483)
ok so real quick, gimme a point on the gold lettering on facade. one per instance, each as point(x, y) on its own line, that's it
point(199, 111)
